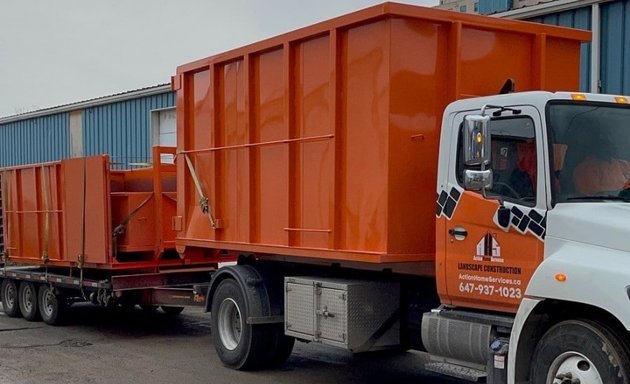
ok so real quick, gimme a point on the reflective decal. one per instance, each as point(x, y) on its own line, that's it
point(446, 203)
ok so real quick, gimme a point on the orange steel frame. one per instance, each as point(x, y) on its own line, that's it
point(55, 212)
point(322, 143)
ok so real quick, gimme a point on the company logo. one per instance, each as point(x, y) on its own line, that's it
point(488, 249)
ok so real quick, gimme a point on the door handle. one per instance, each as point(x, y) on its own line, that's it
point(460, 233)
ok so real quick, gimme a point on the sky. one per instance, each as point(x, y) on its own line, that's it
point(64, 51)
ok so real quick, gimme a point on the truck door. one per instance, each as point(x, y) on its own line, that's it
point(480, 262)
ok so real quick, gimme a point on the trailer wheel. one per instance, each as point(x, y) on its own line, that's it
point(9, 292)
point(172, 311)
point(52, 307)
point(28, 301)
point(581, 351)
point(238, 344)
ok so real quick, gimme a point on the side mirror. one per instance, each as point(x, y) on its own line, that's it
point(477, 147)
point(477, 180)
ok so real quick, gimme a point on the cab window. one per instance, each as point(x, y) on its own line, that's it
point(513, 159)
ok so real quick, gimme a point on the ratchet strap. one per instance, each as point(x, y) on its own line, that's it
point(120, 229)
point(6, 206)
point(46, 187)
point(81, 257)
point(204, 203)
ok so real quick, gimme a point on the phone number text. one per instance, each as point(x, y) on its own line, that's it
point(491, 290)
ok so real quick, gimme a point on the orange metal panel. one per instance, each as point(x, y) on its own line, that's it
point(417, 99)
point(44, 211)
point(365, 85)
point(273, 160)
point(323, 142)
point(313, 222)
point(139, 235)
point(27, 207)
point(57, 211)
point(86, 209)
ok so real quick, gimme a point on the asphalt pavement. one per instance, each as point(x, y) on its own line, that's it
point(101, 345)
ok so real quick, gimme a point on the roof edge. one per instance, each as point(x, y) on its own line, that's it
point(150, 91)
point(546, 8)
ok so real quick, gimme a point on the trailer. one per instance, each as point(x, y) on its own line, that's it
point(76, 230)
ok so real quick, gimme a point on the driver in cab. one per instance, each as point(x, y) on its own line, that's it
point(600, 171)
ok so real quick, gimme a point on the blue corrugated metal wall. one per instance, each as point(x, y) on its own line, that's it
point(123, 129)
point(575, 18)
point(615, 49)
point(487, 7)
point(35, 140)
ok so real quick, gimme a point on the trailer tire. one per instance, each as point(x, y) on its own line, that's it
point(171, 310)
point(27, 299)
point(587, 350)
point(52, 306)
point(239, 345)
point(9, 292)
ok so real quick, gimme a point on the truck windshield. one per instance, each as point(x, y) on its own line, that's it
point(590, 151)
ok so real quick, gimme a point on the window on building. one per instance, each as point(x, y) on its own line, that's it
point(476, 6)
point(462, 8)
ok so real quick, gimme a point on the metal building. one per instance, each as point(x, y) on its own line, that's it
point(605, 64)
point(124, 125)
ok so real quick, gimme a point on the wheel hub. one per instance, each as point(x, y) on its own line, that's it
point(573, 368)
point(230, 324)
point(47, 303)
point(9, 296)
point(27, 299)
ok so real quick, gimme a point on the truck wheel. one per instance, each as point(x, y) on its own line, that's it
point(284, 347)
point(172, 311)
point(52, 307)
point(28, 300)
point(582, 350)
point(238, 344)
point(9, 292)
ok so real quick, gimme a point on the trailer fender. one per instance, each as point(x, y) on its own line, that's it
point(261, 307)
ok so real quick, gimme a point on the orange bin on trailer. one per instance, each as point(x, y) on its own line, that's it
point(55, 212)
point(323, 142)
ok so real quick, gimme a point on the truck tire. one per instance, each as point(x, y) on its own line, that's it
point(283, 347)
point(28, 301)
point(52, 307)
point(238, 344)
point(584, 349)
point(9, 292)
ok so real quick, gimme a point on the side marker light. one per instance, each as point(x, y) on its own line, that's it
point(560, 277)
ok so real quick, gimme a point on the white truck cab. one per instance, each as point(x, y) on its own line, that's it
point(536, 187)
